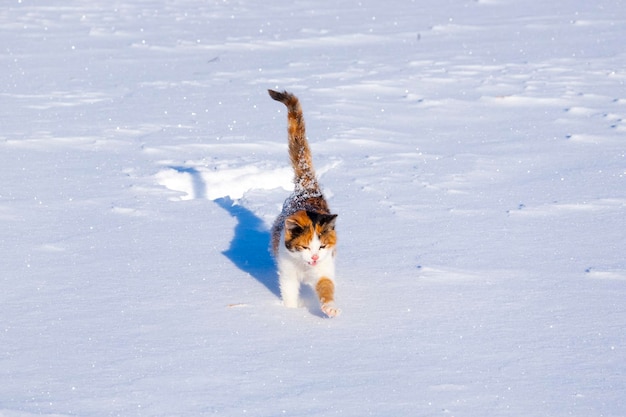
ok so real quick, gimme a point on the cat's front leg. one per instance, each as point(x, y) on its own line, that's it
point(290, 292)
point(325, 289)
point(289, 284)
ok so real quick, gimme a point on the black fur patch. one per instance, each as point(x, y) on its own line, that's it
point(324, 220)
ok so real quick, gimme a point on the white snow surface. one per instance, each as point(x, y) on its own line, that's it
point(474, 150)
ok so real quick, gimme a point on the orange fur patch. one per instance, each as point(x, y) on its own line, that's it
point(325, 289)
point(327, 236)
point(298, 230)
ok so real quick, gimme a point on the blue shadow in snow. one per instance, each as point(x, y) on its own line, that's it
point(199, 188)
point(249, 249)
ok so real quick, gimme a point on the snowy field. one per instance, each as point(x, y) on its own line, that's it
point(475, 151)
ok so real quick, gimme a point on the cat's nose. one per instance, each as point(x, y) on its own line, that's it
point(315, 257)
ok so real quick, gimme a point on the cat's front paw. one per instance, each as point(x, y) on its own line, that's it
point(330, 309)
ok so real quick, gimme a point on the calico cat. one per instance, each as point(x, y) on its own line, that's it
point(303, 235)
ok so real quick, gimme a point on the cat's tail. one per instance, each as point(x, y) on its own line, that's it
point(299, 151)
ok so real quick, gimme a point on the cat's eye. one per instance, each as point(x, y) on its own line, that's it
point(322, 246)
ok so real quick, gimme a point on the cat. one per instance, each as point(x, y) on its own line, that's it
point(303, 236)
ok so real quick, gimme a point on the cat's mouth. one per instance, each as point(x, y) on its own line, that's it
point(312, 262)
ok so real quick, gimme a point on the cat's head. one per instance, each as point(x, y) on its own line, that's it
point(310, 236)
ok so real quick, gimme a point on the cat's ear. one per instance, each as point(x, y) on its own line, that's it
point(296, 221)
point(329, 221)
point(292, 224)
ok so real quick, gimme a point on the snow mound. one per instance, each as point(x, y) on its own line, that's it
point(231, 179)
point(233, 182)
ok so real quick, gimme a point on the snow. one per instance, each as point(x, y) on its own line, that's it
point(474, 151)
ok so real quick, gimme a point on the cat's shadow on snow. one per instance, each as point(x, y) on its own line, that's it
point(249, 249)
